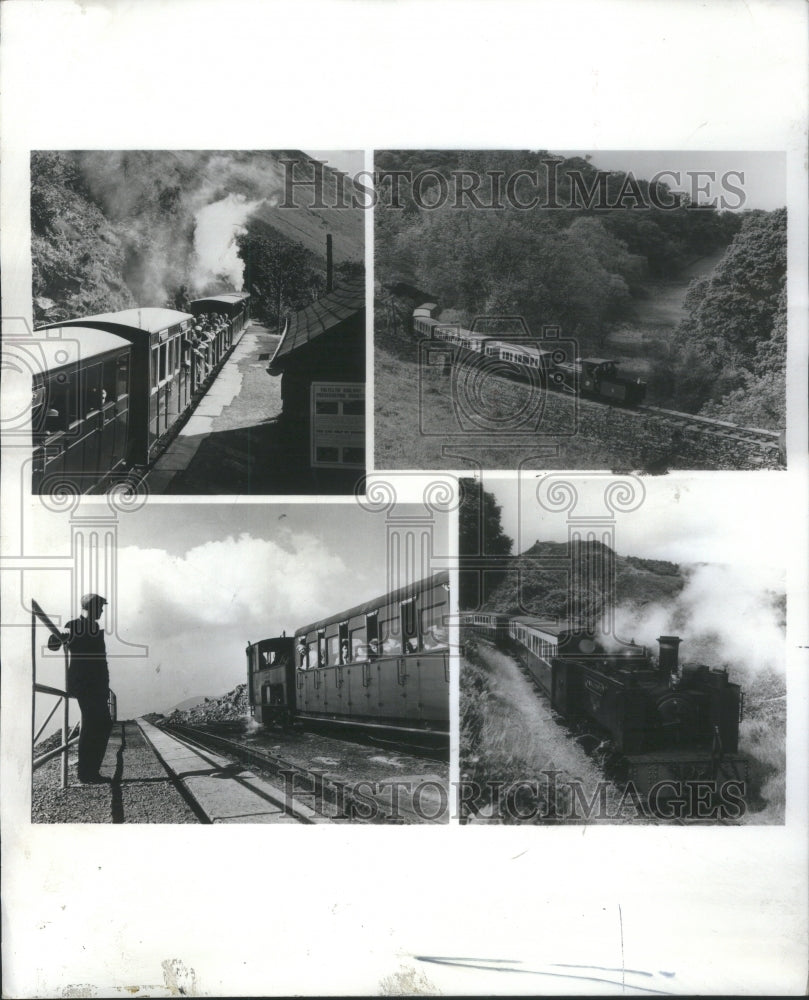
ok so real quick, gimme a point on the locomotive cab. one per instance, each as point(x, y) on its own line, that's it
point(271, 679)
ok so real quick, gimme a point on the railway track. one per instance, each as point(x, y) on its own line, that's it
point(689, 424)
point(333, 798)
point(760, 436)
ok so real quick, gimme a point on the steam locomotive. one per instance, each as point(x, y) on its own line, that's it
point(662, 721)
point(523, 360)
point(381, 665)
point(109, 390)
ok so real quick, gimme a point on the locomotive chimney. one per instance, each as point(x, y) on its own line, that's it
point(329, 264)
point(669, 645)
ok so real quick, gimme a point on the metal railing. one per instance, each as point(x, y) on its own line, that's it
point(63, 699)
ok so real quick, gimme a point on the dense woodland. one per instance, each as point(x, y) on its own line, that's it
point(589, 270)
point(110, 230)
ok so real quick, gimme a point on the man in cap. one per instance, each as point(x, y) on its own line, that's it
point(88, 681)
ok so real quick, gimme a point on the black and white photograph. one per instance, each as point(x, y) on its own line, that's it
point(200, 326)
point(404, 414)
point(619, 310)
point(616, 667)
point(189, 671)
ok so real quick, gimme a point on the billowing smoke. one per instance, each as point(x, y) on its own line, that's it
point(724, 615)
point(177, 214)
point(217, 260)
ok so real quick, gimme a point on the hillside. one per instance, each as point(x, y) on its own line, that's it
point(533, 585)
point(115, 229)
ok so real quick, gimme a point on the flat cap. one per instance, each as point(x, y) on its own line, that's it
point(89, 599)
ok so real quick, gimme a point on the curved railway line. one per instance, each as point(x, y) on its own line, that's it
point(767, 442)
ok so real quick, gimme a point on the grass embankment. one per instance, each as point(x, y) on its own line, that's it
point(762, 739)
point(510, 735)
point(417, 425)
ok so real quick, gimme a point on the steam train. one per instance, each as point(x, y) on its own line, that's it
point(381, 665)
point(524, 360)
point(662, 721)
point(109, 390)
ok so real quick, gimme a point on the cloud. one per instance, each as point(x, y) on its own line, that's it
point(258, 584)
point(196, 612)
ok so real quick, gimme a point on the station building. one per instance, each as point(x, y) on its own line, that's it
point(321, 362)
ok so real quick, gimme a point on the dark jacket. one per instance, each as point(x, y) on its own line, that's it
point(87, 673)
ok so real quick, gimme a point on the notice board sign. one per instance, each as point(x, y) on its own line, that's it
point(338, 425)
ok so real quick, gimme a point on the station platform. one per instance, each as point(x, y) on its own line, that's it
point(139, 790)
point(152, 777)
point(232, 431)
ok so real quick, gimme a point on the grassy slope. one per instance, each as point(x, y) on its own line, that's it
point(414, 417)
point(509, 732)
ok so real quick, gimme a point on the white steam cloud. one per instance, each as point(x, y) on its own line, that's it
point(215, 249)
point(725, 617)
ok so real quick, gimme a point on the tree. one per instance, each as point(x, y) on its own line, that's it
point(480, 534)
point(732, 344)
point(282, 276)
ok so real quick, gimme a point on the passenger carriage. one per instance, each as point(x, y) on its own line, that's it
point(234, 307)
point(80, 412)
point(383, 664)
point(162, 377)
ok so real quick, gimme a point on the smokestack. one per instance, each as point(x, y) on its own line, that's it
point(329, 264)
point(669, 646)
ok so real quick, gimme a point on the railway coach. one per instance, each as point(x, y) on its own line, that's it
point(80, 407)
point(161, 376)
point(380, 665)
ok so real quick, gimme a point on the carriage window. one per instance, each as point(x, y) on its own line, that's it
point(92, 388)
point(322, 656)
point(163, 352)
point(332, 649)
point(154, 367)
point(372, 630)
point(59, 401)
point(345, 649)
point(300, 653)
point(110, 380)
point(359, 648)
point(410, 630)
point(122, 376)
point(390, 635)
point(434, 630)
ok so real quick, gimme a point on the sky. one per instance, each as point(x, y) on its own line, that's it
point(731, 534)
point(196, 582)
point(737, 519)
point(764, 182)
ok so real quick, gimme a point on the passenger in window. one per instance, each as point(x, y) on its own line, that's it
point(344, 653)
point(95, 399)
point(413, 644)
point(301, 650)
point(373, 649)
